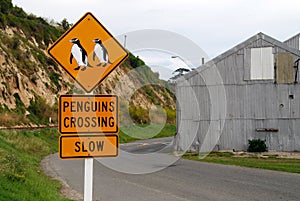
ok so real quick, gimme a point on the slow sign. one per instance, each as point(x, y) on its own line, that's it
point(85, 146)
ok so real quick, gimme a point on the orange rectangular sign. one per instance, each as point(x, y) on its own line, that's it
point(87, 146)
point(88, 114)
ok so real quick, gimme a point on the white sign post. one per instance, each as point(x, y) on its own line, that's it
point(88, 175)
point(88, 179)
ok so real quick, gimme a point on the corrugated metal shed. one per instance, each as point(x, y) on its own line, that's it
point(293, 42)
point(220, 107)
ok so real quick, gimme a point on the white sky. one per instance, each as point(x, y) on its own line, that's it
point(214, 25)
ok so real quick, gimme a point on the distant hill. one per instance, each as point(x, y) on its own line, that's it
point(30, 82)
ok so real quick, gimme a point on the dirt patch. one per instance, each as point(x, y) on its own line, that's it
point(269, 154)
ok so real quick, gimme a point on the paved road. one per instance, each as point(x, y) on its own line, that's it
point(182, 181)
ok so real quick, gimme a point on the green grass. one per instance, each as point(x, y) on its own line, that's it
point(145, 132)
point(271, 163)
point(20, 175)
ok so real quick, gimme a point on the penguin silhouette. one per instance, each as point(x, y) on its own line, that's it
point(101, 52)
point(79, 54)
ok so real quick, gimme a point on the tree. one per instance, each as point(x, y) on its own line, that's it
point(5, 6)
point(178, 73)
point(65, 24)
point(181, 71)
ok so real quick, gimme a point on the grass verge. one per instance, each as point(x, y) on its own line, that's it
point(132, 133)
point(20, 175)
point(270, 163)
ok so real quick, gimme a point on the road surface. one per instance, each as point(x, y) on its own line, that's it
point(183, 180)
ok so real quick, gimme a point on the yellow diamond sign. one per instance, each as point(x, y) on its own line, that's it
point(88, 52)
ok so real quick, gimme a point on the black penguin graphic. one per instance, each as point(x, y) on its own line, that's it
point(79, 54)
point(101, 52)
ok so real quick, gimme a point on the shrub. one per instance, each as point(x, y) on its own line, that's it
point(2, 20)
point(257, 145)
point(171, 116)
point(40, 111)
point(5, 6)
point(20, 107)
point(55, 79)
point(134, 61)
point(139, 115)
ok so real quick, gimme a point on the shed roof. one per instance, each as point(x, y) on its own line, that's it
point(238, 47)
point(295, 36)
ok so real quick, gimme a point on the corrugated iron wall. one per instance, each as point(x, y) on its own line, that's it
point(293, 42)
point(252, 106)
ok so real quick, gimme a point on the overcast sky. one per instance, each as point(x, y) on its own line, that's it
point(214, 25)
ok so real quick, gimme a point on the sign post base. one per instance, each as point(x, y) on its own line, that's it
point(88, 179)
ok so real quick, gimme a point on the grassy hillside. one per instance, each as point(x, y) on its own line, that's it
point(31, 25)
point(20, 174)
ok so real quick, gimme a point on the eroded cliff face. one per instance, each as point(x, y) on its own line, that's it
point(26, 72)
point(22, 72)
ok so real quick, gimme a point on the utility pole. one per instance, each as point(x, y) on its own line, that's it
point(125, 36)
